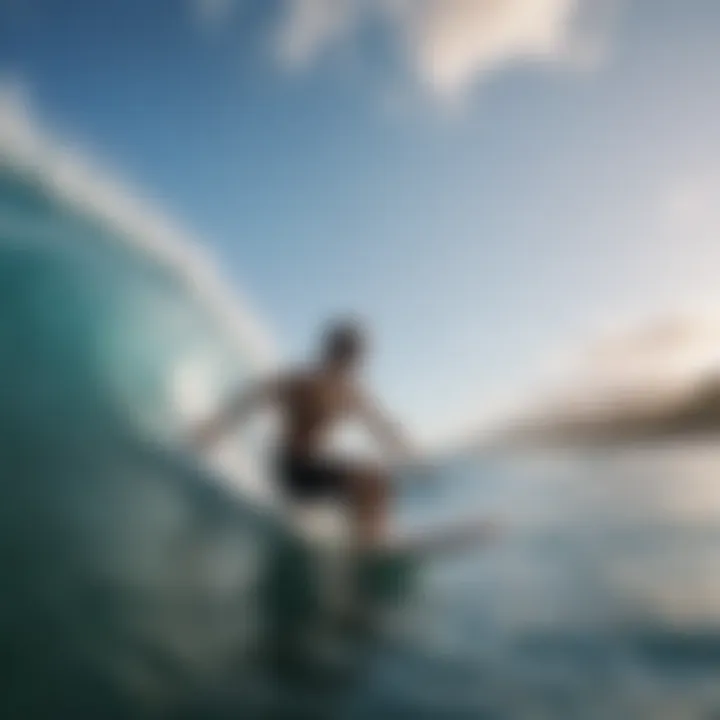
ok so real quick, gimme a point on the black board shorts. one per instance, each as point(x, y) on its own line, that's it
point(312, 478)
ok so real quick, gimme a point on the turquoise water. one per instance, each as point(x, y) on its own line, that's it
point(138, 585)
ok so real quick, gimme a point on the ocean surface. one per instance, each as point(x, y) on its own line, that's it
point(138, 583)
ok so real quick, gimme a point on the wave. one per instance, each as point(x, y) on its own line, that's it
point(129, 568)
point(162, 328)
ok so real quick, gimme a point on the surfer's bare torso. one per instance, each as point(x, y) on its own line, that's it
point(311, 405)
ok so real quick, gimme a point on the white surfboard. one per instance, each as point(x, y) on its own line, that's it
point(326, 526)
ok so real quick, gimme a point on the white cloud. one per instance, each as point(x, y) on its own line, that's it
point(659, 354)
point(449, 45)
point(453, 43)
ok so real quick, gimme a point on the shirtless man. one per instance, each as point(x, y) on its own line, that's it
point(311, 402)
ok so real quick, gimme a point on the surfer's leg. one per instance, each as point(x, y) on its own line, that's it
point(362, 487)
point(368, 497)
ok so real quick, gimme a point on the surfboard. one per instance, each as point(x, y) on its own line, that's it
point(326, 526)
point(455, 536)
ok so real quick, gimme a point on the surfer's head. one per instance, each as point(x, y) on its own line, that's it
point(344, 344)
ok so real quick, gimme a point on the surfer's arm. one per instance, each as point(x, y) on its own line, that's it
point(245, 404)
point(384, 429)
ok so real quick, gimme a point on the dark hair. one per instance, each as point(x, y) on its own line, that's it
point(344, 341)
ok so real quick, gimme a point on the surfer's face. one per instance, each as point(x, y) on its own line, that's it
point(344, 348)
point(346, 363)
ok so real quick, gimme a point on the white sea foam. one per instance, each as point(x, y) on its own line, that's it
point(66, 173)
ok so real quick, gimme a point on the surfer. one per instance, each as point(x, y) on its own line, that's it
point(311, 402)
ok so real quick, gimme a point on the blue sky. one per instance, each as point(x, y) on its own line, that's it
point(490, 189)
